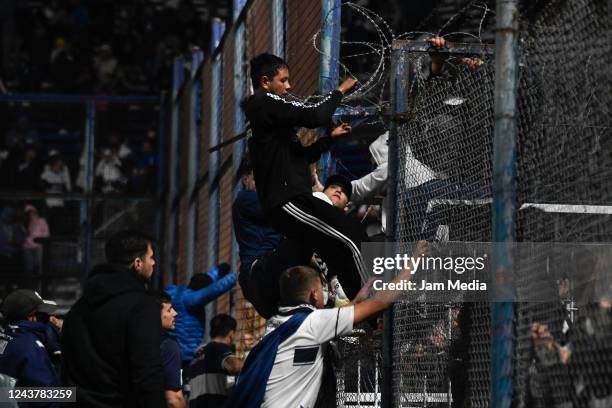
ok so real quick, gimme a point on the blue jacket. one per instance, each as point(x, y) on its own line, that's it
point(254, 235)
point(189, 305)
point(26, 357)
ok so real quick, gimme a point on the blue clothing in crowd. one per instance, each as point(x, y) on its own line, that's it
point(254, 234)
point(25, 357)
point(189, 305)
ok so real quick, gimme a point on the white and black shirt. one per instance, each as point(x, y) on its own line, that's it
point(298, 368)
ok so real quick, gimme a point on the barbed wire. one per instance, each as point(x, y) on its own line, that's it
point(372, 91)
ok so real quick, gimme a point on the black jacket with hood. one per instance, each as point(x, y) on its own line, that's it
point(280, 162)
point(110, 342)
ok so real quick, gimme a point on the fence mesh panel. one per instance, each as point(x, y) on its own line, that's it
point(564, 158)
point(563, 350)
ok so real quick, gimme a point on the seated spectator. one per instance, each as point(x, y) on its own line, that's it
point(56, 179)
point(63, 66)
point(26, 356)
point(36, 227)
point(145, 169)
point(190, 301)
point(28, 170)
point(170, 352)
point(106, 66)
point(212, 364)
point(109, 178)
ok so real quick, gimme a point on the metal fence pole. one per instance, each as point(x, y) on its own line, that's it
point(171, 213)
point(504, 198)
point(240, 87)
point(87, 203)
point(399, 98)
point(161, 182)
point(193, 161)
point(214, 161)
point(329, 62)
point(278, 28)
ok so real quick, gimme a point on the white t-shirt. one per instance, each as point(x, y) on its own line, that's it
point(298, 368)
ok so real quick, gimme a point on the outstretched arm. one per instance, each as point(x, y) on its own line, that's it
point(291, 113)
point(385, 298)
point(202, 296)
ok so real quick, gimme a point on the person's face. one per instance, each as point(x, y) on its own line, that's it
point(337, 195)
point(316, 295)
point(57, 165)
point(278, 84)
point(168, 316)
point(247, 340)
point(144, 266)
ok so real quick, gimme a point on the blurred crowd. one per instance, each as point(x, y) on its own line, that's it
point(95, 46)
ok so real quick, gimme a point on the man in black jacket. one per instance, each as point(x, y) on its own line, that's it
point(282, 174)
point(111, 336)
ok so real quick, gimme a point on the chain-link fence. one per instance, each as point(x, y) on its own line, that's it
point(441, 352)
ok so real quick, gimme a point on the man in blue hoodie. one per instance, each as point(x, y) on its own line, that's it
point(24, 348)
point(189, 302)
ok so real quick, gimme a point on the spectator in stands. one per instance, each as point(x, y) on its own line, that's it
point(26, 357)
point(63, 66)
point(145, 168)
point(56, 179)
point(111, 337)
point(190, 301)
point(285, 369)
point(106, 67)
point(212, 364)
point(281, 171)
point(28, 170)
point(36, 227)
point(109, 178)
point(170, 352)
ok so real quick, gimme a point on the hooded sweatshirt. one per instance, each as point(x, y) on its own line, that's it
point(110, 342)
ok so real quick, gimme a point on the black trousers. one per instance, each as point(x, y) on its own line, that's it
point(324, 229)
point(260, 282)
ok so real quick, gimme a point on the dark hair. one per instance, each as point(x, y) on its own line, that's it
point(199, 281)
point(265, 65)
point(125, 246)
point(221, 325)
point(245, 166)
point(295, 283)
point(160, 296)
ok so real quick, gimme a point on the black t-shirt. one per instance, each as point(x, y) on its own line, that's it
point(207, 377)
point(171, 362)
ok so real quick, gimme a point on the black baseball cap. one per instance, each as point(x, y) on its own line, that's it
point(340, 180)
point(23, 302)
